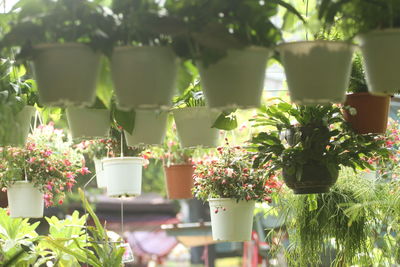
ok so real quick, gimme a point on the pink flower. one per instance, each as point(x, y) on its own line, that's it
point(70, 175)
point(84, 170)
point(67, 162)
point(32, 160)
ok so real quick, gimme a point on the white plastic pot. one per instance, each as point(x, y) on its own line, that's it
point(149, 128)
point(123, 176)
point(22, 127)
point(144, 77)
point(25, 201)
point(194, 126)
point(66, 74)
point(85, 122)
point(317, 72)
point(381, 53)
point(230, 220)
point(100, 178)
point(237, 80)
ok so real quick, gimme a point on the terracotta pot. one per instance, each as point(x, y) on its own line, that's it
point(179, 181)
point(372, 112)
point(315, 179)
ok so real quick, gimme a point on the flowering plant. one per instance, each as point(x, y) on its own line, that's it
point(47, 160)
point(231, 175)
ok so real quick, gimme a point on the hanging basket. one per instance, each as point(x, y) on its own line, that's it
point(231, 221)
point(149, 128)
point(179, 181)
point(372, 113)
point(85, 122)
point(25, 201)
point(317, 72)
point(237, 80)
point(123, 176)
point(21, 130)
point(194, 126)
point(100, 178)
point(144, 77)
point(381, 53)
point(66, 74)
point(315, 179)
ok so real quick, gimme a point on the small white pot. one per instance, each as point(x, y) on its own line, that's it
point(123, 176)
point(25, 201)
point(66, 74)
point(381, 53)
point(85, 122)
point(144, 77)
point(194, 126)
point(230, 220)
point(100, 178)
point(149, 128)
point(23, 123)
point(317, 72)
point(237, 80)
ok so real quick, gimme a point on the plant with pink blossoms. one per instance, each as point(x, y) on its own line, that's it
point(230, 175)
point(47, 160)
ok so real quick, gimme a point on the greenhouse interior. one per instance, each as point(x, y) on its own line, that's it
point(189, 133)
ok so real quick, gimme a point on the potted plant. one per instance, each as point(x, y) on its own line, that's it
point(371, 112)
point(141, 55)
point(309, 144)
point(232, 187)
point(63, 39)
point(93, 122)
point(230, 42)
point(42, 170)
point(376, 24)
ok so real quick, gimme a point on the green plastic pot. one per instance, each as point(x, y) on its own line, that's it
point(25, 200)
point(381, 53)
point(231, 221)
point(150, 126)
point(317, 72)
point(88, 123)
point(193, 125)
point(66, 74)
point(22, 127)
point(144, 77)
point(237, 80)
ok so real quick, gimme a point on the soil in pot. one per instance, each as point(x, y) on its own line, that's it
point(179, 181)
point(315, 179)
point(372, 113)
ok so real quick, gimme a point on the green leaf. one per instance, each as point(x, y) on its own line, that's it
point(125, 119)
point(226, 121)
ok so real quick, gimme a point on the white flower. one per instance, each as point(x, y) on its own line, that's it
point(229, 172)
point(249, 186)
point(353, 111)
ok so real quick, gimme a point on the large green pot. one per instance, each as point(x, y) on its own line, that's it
point(66, 74)
point(88, 123)
point(144, 77)
point(237, 80)
point(317, 72)
point(381, 52)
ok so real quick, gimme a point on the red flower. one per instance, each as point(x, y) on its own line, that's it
point(84, 170)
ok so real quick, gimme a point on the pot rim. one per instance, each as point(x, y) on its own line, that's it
point(179, 165)
point(43, 46)
point(229, 199)
point(122, 159)
point(132, 47)
point(379, 32)
point(342, 43)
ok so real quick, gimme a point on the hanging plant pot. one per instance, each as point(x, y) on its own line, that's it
point(372, 113)
point(315, 179)
point(381, 53)
point(23, 123)
point(100, 178)
point(317, 72)
point(149, 128)
point(144, 77)
point(194, 126)
point(25, 201)
point(179, 181)
point(66, 74)
point(86, 122)
point(123, 176)
point(237, 80)
point(231, 220)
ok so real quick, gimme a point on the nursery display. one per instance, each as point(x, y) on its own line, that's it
point(366, 113)
point(309, 144)
point(46, 167)
point(139, 56)
point(230, 41)
point(231, 186)
point(63, 39)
